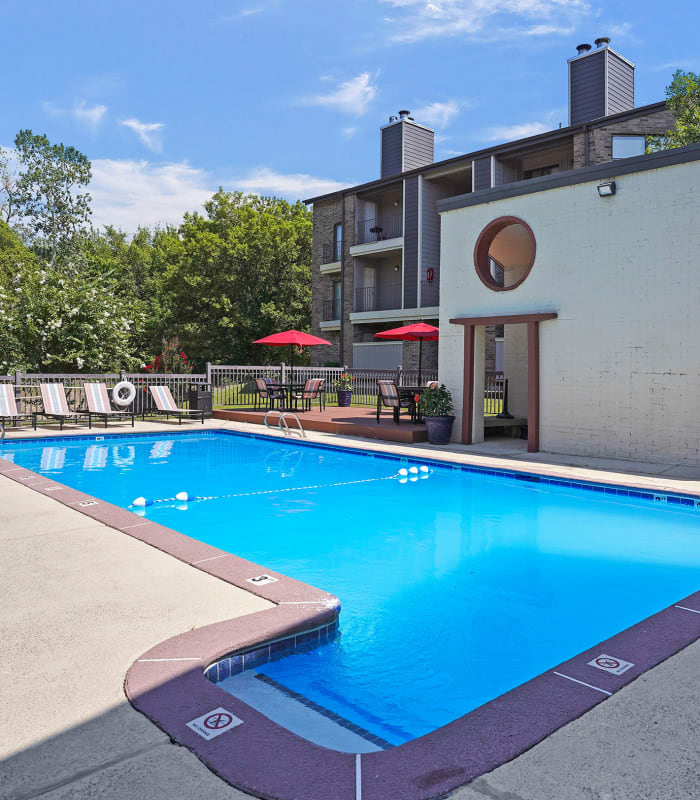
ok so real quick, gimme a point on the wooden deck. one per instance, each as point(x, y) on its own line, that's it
point(352, 421)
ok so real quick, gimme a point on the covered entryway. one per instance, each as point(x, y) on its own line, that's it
point(473, 387)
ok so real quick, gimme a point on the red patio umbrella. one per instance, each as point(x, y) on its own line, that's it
point(413, 333)
point(291, 338)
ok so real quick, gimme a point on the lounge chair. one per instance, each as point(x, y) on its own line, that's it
point(99, 405)
point(267, 392)
point(53, 396)
point(390, 397)
point(165, 404)
point(313, 389)
point(8, 407)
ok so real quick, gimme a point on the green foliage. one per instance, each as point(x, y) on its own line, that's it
point(344, 383)
point(70, 319)
point(9, 199)
point(46, 189)
point(240, 273)
point(683, 99)
point(436, 402)
point(172, 359)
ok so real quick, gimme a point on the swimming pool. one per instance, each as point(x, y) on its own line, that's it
point(455, 587)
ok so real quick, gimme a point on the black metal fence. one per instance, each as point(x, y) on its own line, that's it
point(331, 310)
point(331, 253)
point(494, 391)
point(378, 298)
point(378, 229)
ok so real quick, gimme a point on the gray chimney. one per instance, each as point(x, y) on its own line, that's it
point(601, 82)
point(406, 145)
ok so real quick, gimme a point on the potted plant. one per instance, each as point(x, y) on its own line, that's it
point(343, 388)
point(436, 408)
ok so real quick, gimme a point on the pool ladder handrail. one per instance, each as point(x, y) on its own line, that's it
point(282, 422)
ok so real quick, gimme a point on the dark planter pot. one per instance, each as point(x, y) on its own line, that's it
point(439, 429)
point(344, 397)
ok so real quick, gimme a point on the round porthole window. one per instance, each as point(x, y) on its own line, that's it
point(504, 253)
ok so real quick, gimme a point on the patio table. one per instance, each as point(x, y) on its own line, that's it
point(412, 391)
point(288, 388)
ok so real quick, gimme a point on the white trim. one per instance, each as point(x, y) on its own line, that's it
point(607, 92)
point(330, 325)
point(358, 776)
point(583, 683)
point(419, 268)
point(334, 266)
point(377, 247)
point(493, 171)
point(473, 173)
point(378, 344)
point(403, 230)
point(595, 50)
point(395, 314)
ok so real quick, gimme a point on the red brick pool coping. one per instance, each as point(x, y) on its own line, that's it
point(167, 684)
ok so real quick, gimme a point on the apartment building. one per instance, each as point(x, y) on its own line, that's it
point(376, 246)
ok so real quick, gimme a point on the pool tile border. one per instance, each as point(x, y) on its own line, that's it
point(168, 683)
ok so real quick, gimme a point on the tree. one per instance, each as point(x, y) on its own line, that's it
point(46, 189)
point(238, 274)
point(683, 99)
point(8, 188)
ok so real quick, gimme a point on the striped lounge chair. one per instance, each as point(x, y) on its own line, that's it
point(165, 404)
point(99, 405)
point(8, 407)
point(313, 389)
point(53, 396)
point(390, 397)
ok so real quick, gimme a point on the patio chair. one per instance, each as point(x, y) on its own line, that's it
point(390, 397)
point(313, 389)
point(267, 392)
point(53, 396)
point(99, 405)
point(8, 407)
point(165, 404)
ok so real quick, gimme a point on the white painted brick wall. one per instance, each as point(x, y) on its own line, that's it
point(620, 367)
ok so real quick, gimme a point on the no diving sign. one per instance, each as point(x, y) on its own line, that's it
point(214, 723)
point(610, 664)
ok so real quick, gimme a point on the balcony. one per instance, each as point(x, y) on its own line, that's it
point(379, 229)
point(331, 310)
point(374, 298)
point(429, 294)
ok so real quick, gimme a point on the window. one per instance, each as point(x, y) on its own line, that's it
point(504, 253)
point(627, 146)
point(338, 242)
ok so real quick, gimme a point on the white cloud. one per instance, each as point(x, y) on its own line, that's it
point(440, 114)
point(127, 193)
point(243, 13)
point(148, 132)
point(89, 115)
point(349, 132)
point(263, 180)
point(352, 96)
point(416, 20)
point(507, 133)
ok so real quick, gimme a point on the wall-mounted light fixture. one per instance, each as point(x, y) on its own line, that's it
point(606, 189)
point(396, 268)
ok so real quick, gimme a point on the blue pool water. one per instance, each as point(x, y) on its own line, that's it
point(455, 588)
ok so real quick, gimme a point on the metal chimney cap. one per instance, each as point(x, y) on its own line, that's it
point(393, 118)
point(602, 41)
point(404, 114)
point(582, 48)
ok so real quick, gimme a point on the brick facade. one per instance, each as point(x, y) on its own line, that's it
point(600, 139)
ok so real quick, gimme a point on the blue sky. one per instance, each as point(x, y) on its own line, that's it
point(171, 99)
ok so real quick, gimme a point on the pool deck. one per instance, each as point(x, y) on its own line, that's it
point(73, 588)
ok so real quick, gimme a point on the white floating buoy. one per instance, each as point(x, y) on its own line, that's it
point(142, 502)
point(184, 496)
point(423, 468)
point(403, 472)
point(413, 470)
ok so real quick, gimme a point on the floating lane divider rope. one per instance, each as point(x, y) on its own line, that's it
point(404, 475)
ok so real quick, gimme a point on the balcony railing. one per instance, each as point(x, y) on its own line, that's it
point(429, 293)
point(331, 310)
point(373, 298)
point(387, 226)
point(331, 253)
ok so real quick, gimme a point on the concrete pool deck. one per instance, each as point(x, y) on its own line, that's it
point(96, 745)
